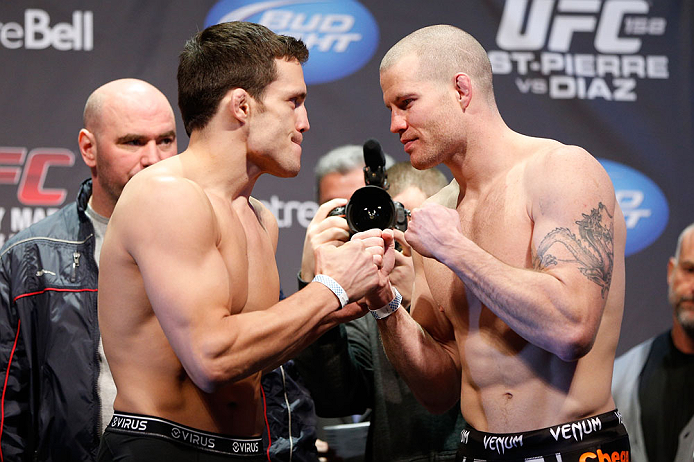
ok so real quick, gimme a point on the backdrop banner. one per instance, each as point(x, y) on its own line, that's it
point(612, 76)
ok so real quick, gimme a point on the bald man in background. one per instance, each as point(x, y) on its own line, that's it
point(59, 391)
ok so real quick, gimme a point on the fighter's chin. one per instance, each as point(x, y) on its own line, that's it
point(286, 171)
point(289, 170)
point(293, 173)
point(421, 162)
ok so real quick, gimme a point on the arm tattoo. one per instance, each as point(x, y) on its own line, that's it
point(593, 252)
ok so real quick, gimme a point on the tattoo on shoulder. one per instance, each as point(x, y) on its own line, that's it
point(592, 252)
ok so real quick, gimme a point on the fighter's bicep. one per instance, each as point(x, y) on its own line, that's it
point(573, 213)
point(174, 245)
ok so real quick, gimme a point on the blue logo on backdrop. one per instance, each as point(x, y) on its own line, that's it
point(341, 35)
point(644, 205)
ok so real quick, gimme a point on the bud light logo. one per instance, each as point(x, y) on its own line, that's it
point(341, 35)
point(644, 205)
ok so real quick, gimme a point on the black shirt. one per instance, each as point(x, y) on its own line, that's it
point(666, 396)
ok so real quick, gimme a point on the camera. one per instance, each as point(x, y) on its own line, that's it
point(371, 206)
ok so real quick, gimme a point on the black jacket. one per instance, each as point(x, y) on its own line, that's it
point(49, 337)
point(290, 415)
point(347, 371)
point(289, 410)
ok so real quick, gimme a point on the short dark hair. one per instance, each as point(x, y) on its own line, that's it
point(225, 56)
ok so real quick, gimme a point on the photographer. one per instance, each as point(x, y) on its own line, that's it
point(338, 174)
point(346, 369)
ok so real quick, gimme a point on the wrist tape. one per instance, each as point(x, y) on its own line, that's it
point(336, 288)
point(390, 308)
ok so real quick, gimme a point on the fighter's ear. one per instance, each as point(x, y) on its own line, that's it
point(87, 143)
point(463, 87)
point(239, 104)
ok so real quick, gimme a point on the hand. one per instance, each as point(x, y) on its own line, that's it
point(384, 256)
point(352, 265)
point(402, 275)
point(322, 230)
point(432, 229)
point(326, 453)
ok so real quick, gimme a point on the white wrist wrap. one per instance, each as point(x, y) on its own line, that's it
point(390, 308)
point(336, 288)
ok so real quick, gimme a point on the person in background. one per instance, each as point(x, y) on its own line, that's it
point(346, 370)
point(653, 381)
point(58, 394)
point(291, 415)
point(338, 173)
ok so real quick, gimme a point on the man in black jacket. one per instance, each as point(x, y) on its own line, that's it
point(58, 391)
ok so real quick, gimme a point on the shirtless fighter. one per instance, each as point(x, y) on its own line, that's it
point(519, 280)
point(189, 287)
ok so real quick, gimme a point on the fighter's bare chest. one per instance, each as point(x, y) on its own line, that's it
point(501, 226)
point(249, 258)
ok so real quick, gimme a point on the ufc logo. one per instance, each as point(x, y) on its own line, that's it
point(573, 16)
point(30, 173)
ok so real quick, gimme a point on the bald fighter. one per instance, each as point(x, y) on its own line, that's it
point(519, 285)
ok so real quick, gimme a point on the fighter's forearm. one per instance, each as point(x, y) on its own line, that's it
point(425, 365)
point(552, 313)
point(242, 344)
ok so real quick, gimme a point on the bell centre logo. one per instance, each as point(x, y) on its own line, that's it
point(644, 205)
point(341, 35)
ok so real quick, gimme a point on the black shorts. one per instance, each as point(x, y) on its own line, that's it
point(134, 437)
point(601, 438)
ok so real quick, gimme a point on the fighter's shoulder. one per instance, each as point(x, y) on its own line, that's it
point(553, 164)
point(446, 196)
point(162, 191)
point(550, 156)
point(561, 179)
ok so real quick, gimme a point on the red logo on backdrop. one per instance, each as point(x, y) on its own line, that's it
point(31, 174)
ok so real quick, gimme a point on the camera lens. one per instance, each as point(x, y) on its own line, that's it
point(370, 207)
point(371, 217)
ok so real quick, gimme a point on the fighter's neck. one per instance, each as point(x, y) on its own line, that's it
point(486, 156)
point(221, 166)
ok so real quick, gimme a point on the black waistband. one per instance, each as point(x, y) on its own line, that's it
point(555, 439)
point(207, 441)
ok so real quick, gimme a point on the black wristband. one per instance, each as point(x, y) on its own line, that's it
point(301, 282)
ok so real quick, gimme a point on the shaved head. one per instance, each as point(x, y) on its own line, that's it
point(442, 52)
point(682, 237)
point(118, 95)
point(128, 125)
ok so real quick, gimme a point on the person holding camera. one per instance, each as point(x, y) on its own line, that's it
point(346, 370)
point(338, 174)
